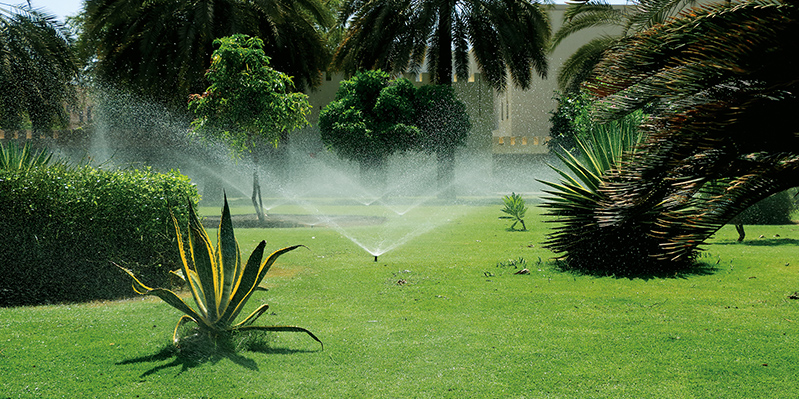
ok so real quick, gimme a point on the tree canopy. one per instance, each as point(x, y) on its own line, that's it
point(37, 69)
point(504, 37)
point(248, 103)
point(374, 117)
point(371, 118)
point(161, 49)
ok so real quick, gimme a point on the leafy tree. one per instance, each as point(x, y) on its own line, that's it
point(36, 69)
point(400, 35)
point(370, 119)
point(248, 104)
point(721, 135)
point(566, 119)
point(586, 14)
point(161, 49)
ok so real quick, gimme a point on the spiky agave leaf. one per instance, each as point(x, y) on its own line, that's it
point(251, 277)
point(169, 297)
point(575, 200)
point(219, 283)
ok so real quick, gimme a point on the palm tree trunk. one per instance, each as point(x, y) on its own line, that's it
point(444, 38)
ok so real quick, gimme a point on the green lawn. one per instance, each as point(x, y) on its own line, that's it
point(437, 317)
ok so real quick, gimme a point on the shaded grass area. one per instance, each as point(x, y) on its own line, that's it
point(439, 316)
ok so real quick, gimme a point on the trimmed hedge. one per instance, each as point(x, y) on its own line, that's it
point(62, 227)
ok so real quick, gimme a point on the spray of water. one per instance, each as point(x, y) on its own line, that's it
point(411, 178)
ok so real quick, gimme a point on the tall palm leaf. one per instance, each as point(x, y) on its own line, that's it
point(37, 68)
point(713, 79)
point(587, 14)
point(162, 48)
point(504, 37)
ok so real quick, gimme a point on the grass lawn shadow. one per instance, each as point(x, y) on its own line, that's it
point(760, 242)
point(195, 351)
point(699, 268)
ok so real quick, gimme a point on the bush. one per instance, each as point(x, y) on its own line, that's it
point(63, 227)
point(775, 209)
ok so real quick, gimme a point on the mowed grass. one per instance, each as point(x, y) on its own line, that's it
point(437, 317)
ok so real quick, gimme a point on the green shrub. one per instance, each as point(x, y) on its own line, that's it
point(775, 209)
point(62, 228)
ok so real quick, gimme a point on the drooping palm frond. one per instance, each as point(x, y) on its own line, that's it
point(585, 15)
point(506, 39)
point(618, 22)
point(722, 95)
point(37, 69)
point(580, 65)
point(648, 13)
point(162, 49)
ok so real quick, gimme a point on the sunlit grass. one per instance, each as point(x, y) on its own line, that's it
point(439, 316)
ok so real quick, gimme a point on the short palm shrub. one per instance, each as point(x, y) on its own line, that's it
point(63, 225)
point(515, 208)
point(601, 152)
point(708, 79)
point(218, 280)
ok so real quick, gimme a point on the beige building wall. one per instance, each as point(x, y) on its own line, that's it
point(523, 115)
point(511, 122)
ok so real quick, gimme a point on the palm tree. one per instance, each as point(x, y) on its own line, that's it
point(721, 91)
point(400, 35)
point(628, 21)
point(162, 48)
point(37, 68)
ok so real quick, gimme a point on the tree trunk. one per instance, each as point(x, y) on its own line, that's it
point(446, 173)
point(741, 233)
point(257, 202)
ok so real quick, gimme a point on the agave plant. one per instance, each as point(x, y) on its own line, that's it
point(515, 208)
point(219, 282)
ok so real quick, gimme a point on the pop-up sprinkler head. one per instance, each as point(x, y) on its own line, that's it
point(375, 258)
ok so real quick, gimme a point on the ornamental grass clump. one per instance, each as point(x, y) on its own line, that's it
point(219, 282)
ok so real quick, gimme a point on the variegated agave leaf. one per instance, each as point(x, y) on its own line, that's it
point(219, 282)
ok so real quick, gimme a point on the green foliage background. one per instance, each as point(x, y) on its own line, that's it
point(62, 227)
